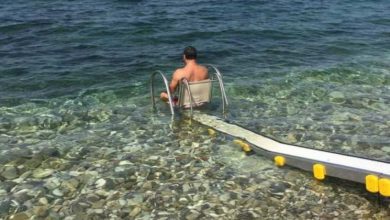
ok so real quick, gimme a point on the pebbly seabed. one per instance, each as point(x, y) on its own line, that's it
point(122, 165)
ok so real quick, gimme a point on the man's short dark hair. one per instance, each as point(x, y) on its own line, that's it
point(190, 53)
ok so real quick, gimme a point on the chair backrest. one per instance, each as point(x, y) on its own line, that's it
point(200, 91)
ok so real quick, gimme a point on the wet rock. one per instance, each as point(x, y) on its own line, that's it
point(7, 185)
point(19, 216)
point(40, 211)
point(291, 138)
point(9, 172)
point(45, 134)
point(279, 187)
point(114, 195)
point(119, 169)
point(105, 183)
point(99, 204)
point(242, 181)
point(124, 163)
point(42, 173)
point(23, 195)
point(110, 184)
point(92, 198)
point(153, 159)
point(77, 207)
point(100, 183)
point(122, 202)
point(33, 163)
point(164, 176)
point(224, 197)
point(183, 200)
point(188, 188)
point(70, 184)
point(245, 215)
point(147, 186)
point(53, 183)
point(98, 211)
point(115, 205)
point(219, 210)
point(43, 201)
point(58, 193)
point(137, 199)
point(337, 97)
point(56, 163)
point(386, 149)
point(23, 176)
point(102, 193)
point(5, 207)
point(135, 212)
point(192, 215)
point(49, 121)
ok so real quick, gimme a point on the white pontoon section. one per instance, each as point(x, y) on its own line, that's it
point(375, 174)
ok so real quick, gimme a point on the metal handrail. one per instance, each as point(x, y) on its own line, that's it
point(166, 86)
point(225, 102)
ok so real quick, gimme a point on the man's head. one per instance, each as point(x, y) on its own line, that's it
point(190, 53)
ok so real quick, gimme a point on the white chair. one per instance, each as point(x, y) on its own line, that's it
point(194, 94)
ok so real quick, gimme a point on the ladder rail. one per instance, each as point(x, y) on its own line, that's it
point(158, 72)
point(218, 74)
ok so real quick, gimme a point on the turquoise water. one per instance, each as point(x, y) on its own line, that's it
point(74, 102)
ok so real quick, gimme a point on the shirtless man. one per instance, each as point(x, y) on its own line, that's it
point(192, 71)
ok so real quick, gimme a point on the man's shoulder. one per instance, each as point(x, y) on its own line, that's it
point(179, 72)
point(203, 69)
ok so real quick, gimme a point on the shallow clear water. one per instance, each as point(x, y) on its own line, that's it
point(78, 137)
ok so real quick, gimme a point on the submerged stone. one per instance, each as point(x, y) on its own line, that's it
point(33, 163)
point(49, 152)
point(71, 184)
point(135, 212)
point(279, 187)
point(19, 216)
point(9, 172)
point(291, 138)
point(100, 183)
point(40, 211)
point(337, 97)
point(42, 173)
point(5, 206)
point(43, 201)
point(58, 193)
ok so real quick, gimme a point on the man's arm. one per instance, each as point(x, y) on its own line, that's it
point(176, 77)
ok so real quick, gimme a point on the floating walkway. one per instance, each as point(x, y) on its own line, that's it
point(374, 174)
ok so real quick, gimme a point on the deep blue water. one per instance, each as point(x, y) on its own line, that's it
point(59, 48)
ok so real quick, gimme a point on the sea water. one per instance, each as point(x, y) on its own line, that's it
point(79, 139)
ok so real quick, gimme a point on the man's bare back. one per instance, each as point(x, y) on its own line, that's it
point(192, 71)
